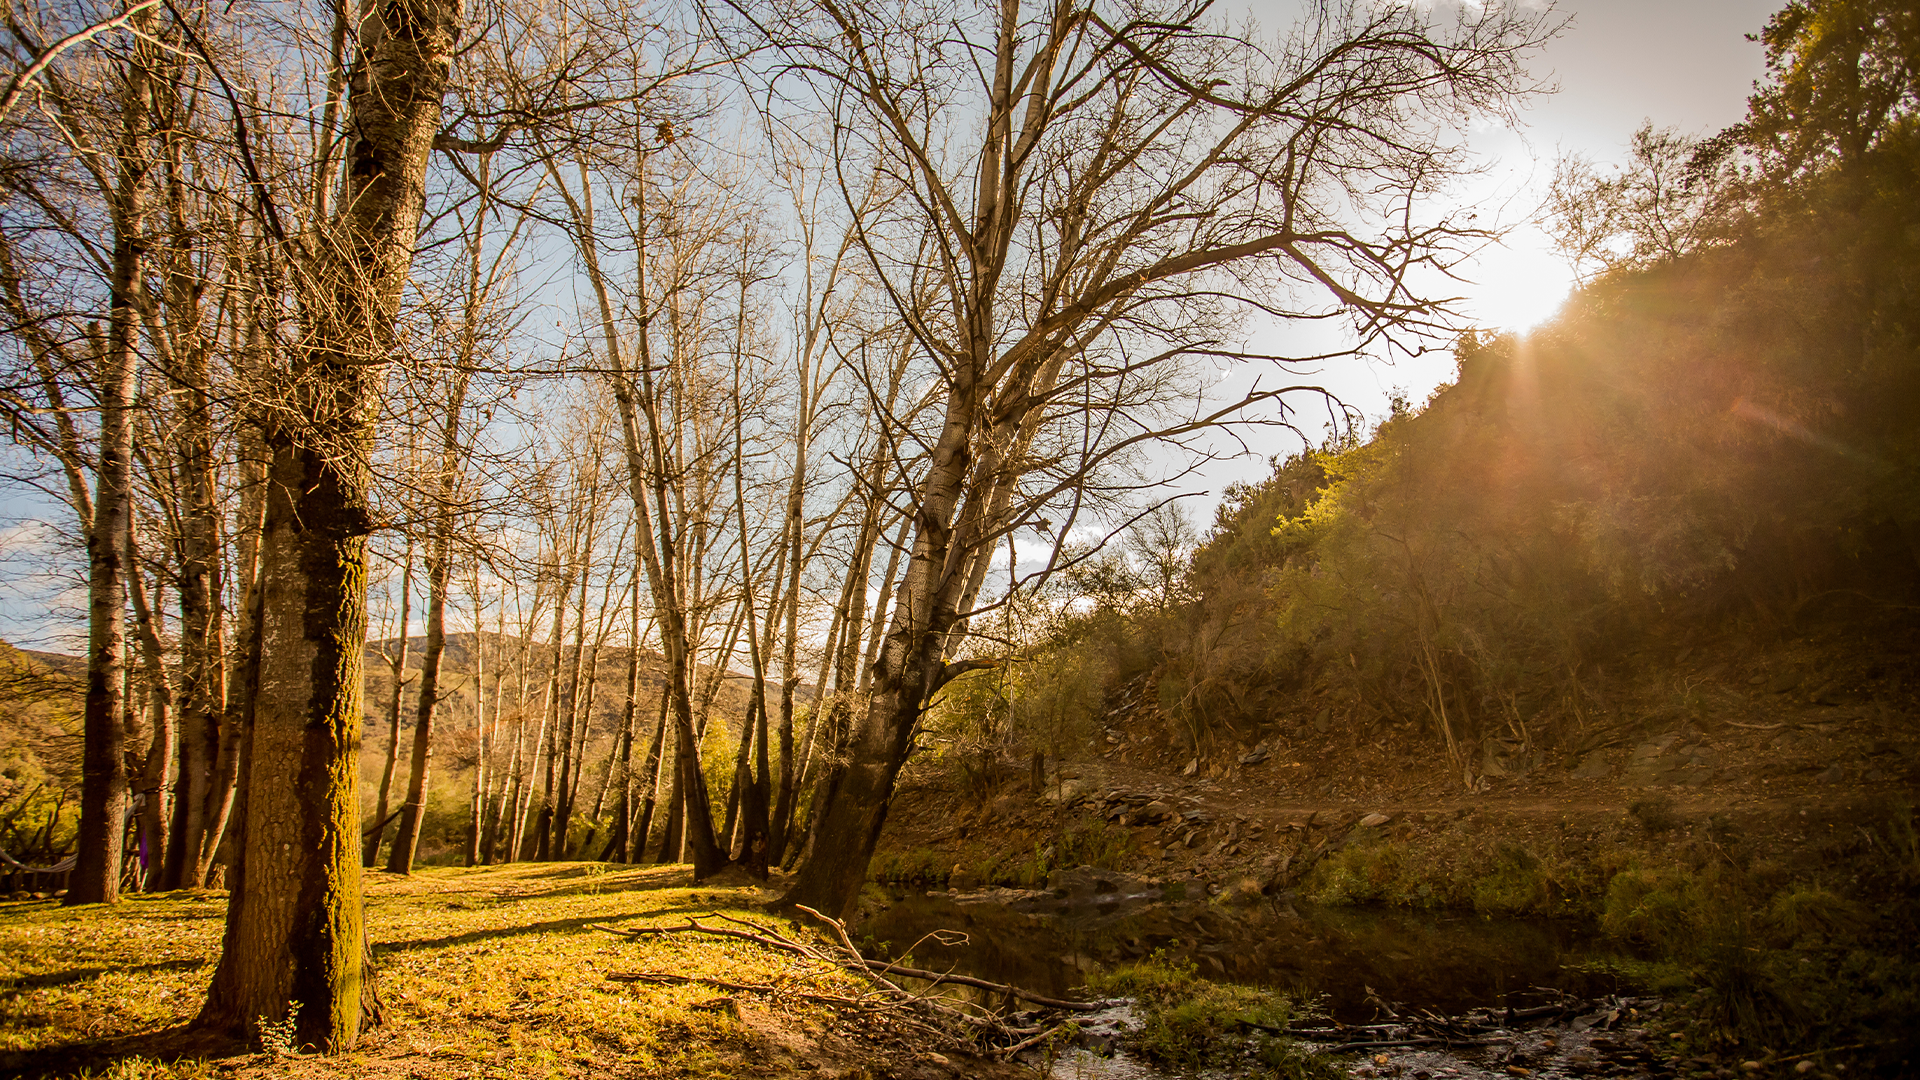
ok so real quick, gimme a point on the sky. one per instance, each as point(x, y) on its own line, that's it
point(1678, 63)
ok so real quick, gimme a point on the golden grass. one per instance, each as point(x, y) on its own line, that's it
point(491, 972)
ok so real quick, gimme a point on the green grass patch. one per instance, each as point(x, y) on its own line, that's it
point(1187, 1022)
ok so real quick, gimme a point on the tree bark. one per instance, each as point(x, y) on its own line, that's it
point(397, 666)
point(103, 766)
point(296, 938)
point(643, 828)
point(156, 774)
point(406, 837)
point(483, 735)
point(621, 841)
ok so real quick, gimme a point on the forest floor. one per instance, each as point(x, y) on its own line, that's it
point(1799, 749)
point(494, 972)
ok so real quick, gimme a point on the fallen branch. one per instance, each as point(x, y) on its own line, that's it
point(947, 1019)
point(1428, 1040)
point(1028, 1044)
point(998, 988)
point(769, 990)
point(764, 938)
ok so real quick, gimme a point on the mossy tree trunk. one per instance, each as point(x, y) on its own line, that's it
point(295, 937)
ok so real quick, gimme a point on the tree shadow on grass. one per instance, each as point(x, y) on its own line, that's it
point(551, 926)
point(20, 984)
point(182, 1041)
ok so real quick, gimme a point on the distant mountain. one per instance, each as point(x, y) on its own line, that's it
point(73, 666)
point(505, 650)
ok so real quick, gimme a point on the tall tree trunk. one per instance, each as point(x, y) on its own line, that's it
point(496, 846)
point(156, 775)
point(649, 484)
point(439, 579)
point(850, 805)
point(650, 784)
point(103, 765)
point(621, 840)
point(512, 788)
point(483, 736)
point(203, 674)
point(569, 778)
point(296, 933)
point(407, 837)
point(397, 666)
point(550, 709)
point(224, 802)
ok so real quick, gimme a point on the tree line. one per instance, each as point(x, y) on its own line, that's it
point(784, 340)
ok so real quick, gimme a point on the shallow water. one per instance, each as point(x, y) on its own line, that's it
point(1357, 962)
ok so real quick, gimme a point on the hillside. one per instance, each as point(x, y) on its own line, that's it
point(1619, 627)
point(39, 753)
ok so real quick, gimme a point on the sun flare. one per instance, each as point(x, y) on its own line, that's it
point(1519, 284)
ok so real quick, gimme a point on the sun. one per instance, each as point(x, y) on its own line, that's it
point(1517, 284)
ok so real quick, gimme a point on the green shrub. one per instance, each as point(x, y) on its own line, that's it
point(1810, 915)
point(1657, 906)
point(1360, 874)
point(1188, 1022)
point(1519, 883)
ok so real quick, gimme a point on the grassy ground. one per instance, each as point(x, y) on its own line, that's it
point(491, 972)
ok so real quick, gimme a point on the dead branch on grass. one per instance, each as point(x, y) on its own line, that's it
point(960, 1024)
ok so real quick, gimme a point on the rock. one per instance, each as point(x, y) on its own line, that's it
point(1374, 820)
point(1783, 682)
point(1323, 720)
point(1155, 811)
point(1254, 758)
point(963, 879)
point(1069, 791)
point(1803, 1066)
point(1192, 768)
point(1503, 757)
point(1242, 892)
point(1832, 774)
point(1657, 761)
point(1593, 767)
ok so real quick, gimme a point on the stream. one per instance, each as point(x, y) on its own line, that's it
point(1358, 966)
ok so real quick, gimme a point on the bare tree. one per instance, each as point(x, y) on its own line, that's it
point(1092, 197)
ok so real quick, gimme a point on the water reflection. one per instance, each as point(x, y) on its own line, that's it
point(1361, 961)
